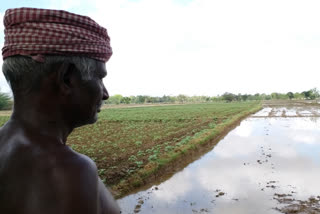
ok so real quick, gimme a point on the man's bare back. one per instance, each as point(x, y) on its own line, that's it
point(38, 177)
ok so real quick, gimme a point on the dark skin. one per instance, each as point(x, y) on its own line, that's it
point(38, 172)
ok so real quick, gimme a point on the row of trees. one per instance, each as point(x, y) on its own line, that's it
point(309, 95)
point(227, 97)
point(6, 101)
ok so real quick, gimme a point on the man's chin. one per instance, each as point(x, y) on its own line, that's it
point(91, 120)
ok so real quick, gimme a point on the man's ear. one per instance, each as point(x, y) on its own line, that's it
point(66, 76)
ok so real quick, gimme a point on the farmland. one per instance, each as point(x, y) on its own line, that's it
point(130, 145)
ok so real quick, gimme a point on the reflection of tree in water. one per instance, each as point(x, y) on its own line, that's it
point(314, 119)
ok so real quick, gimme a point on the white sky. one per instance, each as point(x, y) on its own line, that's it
point(206, 47)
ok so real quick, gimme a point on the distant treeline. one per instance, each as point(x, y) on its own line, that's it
point(6, 102)
point(226, 97)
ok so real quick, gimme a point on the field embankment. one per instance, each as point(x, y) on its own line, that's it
point(135, 146)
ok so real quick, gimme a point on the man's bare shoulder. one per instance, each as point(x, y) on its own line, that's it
point(76, 180)
point(77, 173)
point(66, 165)
point(67, 159)
point(74, 170)
point(46, 178)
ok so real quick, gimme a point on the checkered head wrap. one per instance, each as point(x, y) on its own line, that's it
point(37, 32)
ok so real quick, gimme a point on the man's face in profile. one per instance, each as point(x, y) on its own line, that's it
point(89, 96)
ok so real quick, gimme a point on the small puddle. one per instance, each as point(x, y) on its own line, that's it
point(265, 165)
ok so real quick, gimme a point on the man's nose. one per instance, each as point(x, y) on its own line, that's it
point(105, 94)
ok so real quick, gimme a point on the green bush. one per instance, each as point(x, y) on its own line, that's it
point(5, 101)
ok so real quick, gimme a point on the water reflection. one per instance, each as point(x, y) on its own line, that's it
point(264, 112)
point(259, 158)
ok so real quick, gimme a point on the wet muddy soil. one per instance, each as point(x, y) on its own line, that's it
point(270, 163)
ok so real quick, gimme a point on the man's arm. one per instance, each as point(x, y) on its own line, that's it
point(81, 190)
point(107, 204)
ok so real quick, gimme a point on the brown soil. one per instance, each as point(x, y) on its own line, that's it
point(113, 176)
point(5, 113)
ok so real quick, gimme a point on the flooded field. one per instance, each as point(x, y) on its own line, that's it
point(270, 163)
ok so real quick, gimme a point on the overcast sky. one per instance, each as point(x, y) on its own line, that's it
point(202, 47)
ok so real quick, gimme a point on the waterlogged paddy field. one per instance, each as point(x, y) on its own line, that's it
point(269, 164)
point(129, 144)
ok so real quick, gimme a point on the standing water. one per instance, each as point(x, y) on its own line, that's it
point(270, 163)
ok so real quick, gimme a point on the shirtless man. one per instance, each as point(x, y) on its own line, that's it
point(56, 88)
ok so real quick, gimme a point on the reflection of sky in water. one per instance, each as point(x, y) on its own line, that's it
point(285, 151)
point(305, 113)
point(263, 112)
point(317, 111)
point(291, 112)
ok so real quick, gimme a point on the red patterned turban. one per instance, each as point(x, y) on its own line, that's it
point(36, 32)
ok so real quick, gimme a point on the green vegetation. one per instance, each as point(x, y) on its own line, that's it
point(5, 101)
point(227, 97)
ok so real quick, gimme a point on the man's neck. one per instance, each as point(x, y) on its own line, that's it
point(42, 122)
